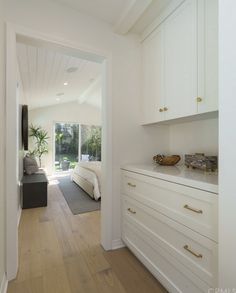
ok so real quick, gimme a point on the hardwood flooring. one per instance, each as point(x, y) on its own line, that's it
point(60, 253)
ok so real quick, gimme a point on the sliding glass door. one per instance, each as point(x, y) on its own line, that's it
point(66, 145)
point(90, 143)
point(74, 142)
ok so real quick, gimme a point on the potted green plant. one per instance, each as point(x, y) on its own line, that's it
point(40, 137)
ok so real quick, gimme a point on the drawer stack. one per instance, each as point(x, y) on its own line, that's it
point(172, 229)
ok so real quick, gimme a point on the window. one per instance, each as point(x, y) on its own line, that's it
point(66, 145)
point(90, 143)
point(75, 142)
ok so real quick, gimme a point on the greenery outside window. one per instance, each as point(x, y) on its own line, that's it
point(75, 142)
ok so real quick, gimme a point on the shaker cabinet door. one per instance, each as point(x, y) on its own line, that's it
point(152, 78)
point(181, 61)
point(208, 55)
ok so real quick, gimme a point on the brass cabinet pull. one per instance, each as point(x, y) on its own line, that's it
point(161, 110)
point(131, 184)
point(193, 209)
point(198, 255)
point(131, 211)
point(199, 99)
point(165, 109)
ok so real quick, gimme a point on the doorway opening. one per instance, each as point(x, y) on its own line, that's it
point(32, 38)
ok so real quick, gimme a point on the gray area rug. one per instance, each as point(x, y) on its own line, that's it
point(77, 199)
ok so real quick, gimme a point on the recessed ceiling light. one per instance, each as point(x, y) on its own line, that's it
point(72, 69)
point(65, 83)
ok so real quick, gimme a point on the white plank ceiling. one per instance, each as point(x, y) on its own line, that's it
point(43, 73)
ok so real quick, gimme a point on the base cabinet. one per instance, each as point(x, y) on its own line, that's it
point(181, 258)
point(163, 266)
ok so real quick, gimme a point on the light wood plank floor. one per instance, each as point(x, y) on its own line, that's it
point(60, 253)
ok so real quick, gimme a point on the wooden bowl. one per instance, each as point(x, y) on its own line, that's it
point(166, 160)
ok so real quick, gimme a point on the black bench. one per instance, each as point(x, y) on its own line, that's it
point(34, 191)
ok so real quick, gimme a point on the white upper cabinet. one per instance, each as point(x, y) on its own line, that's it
point(180, 64)
point(153, 74)
point(208, 55)
point(181, 61)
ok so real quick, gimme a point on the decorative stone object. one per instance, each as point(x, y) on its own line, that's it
point(202, 162)
point(166, 160)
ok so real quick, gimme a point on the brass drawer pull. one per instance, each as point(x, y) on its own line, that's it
point(193, 209)
point(131, 211)
point(161, 110)
point(199, 99)
point(131, 184)
point(165, 109)
point(198, 255)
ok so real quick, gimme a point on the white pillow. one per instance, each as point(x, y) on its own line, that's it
point(30, 165)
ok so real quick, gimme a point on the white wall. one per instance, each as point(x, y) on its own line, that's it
point(194, 137)
point(227, 147)
point(66, 112)
point(2, 160)
point(127, 136)
point(20, 101)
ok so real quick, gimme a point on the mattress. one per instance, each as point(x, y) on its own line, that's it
point(88, 176)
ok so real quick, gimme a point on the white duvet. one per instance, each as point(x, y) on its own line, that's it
point(91, 171)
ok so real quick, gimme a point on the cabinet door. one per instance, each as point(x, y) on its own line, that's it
point(152, 70)
point(181, 61)
point(208, 55)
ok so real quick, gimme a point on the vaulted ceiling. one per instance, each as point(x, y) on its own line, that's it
point(44, 71)
point(49, 77)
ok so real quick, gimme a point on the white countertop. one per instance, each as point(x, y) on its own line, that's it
point(178, 174)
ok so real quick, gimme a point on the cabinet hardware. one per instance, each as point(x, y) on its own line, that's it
point(131, 184)
point(161, 110)
point(199, 99)
point(193, 209)
point(198, 255)
point(165, 109)
point(131, 211)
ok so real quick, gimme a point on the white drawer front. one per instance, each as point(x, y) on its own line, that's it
point(194, 208)
point(172, 274)
point(196, 252)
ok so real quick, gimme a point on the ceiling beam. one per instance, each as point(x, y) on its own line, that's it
point(172, 6)
point(130, 15)
point(95, 85)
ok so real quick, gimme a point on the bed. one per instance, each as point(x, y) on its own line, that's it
point(88, 176)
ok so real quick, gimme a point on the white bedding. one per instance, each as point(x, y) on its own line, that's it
point(90, 171)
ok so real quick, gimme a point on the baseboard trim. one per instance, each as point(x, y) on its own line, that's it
point(4, 284)
point(19, 216)
point(117, 243)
